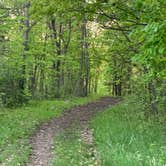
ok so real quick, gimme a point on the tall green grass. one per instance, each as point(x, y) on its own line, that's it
point(71, 150)
point(125, 137)
point(16, 126)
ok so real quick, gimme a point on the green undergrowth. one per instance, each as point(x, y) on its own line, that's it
point(70, 150)
point(125, 137)
point(16, 126)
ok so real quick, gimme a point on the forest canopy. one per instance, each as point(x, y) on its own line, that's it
point(55, 48)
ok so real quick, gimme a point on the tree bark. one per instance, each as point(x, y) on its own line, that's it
point(152, 97)
point(84, 62)
point(22, 81)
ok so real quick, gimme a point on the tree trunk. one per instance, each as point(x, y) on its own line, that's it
point(57, 63)
point(152, 97)
point(22, 81)
point(83, 81)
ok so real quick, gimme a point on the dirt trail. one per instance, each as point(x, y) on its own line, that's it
point(42, 142)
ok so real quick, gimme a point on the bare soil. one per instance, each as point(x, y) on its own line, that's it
point(43, 139)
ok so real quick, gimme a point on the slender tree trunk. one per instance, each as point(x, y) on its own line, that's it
point(22, 81)
point(96, 84)
point(84, 62)
point(87, 64)
point(129, 71)
point(57, 62)
point(42, 69)
point(150, 86)
point(152, 97)
point(34, 81)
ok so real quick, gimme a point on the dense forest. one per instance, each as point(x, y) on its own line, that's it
point(51, 49)
point(62, 49)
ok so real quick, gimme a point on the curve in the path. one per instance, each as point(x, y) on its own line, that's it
point(42, 141)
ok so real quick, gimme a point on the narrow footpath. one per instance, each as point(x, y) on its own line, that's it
point(43, 139)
